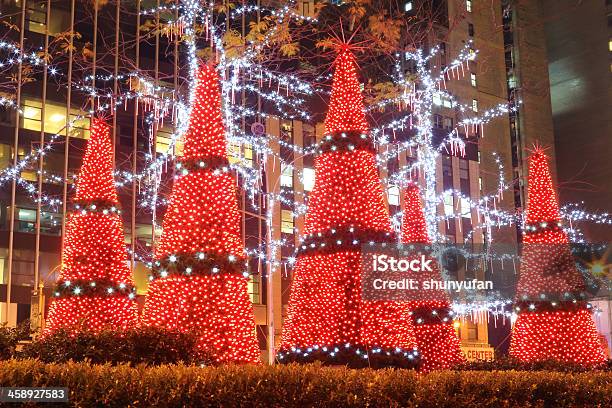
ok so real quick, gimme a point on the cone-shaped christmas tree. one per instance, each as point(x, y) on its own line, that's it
point(436, 338)
point(95, 288)
point(554, 322)
point(327, 318)
point(197, 283)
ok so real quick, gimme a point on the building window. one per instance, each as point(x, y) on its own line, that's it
point(308, 178)
point(511, 81)
point(466, 211)
point(287, 177)
point(474, 105)
point(55, 119)
point(447, 102)
point(50, 223)
point(610, 45)
point(408, 6)
point(449, 209)
point(472, 331)
point(442, 101)
point(233, 152)
point(36, 16)
point(306, 8)
point(437, 121)
point(163, 138)
point(473, 79)
point(470, 29)
point(287, 221)
point(237, 153)
point(437, 100)
point(447, 123)
point(468, 5)
point(394, 195)
point(2, 274)
point(480, 184)
point(253, 286)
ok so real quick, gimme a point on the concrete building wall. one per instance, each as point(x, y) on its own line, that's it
point(578, 36)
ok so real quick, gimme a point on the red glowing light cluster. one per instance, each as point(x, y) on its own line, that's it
point(95, 287)
point(199, 284)
point(346, 103)
point(547, 264)
point(553, 322)
point(347, 191)
point(437, 340)
point(326, 311)
point(565, 336)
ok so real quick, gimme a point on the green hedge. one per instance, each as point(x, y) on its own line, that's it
point(143, 345)
point(305, 386)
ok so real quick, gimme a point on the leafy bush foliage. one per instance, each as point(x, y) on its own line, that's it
point(145, 345)
point(506, 363)
point(10, 337)
point(306, 385)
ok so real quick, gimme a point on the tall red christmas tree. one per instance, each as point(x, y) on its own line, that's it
point(436, 338)
point(327, 318)
point(554, 322)
point(198, 283)
point(95, 288)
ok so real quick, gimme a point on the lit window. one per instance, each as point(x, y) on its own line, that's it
point(437, 100)
point(36, 16)
point(448, 205)
point(254, 289)
point(466, 211)
point(308, 175)
point(233, 152)
point(473, 79)
point(511, 81)
point(480, 183)
point(29, 175)
point(479, 156)
point(610, 45)
point(474, 105)
point(238, 153)
point(287, 221)
point(468, 5)
point(447, 102)
point(394, 195)
point(247, 151)
point(26, 220)
point(163, 139)
point(408, 6)
point(2, 275)
point(287, 177)
point(55, 119)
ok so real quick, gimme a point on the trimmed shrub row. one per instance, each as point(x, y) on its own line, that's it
point(306, 385)
point(144, 345)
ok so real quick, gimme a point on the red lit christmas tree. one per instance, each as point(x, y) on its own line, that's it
point(197, 283)
point(95, 288)
point(554, 321)
point(437, 340)
point(327, 319)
